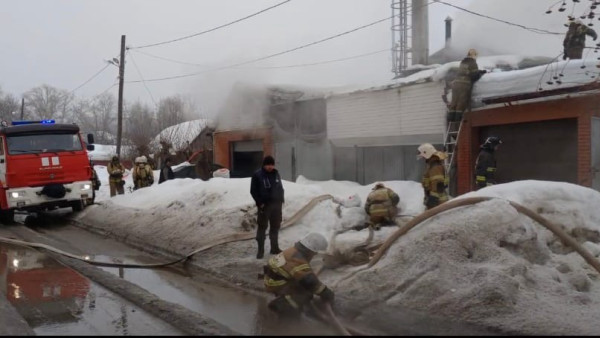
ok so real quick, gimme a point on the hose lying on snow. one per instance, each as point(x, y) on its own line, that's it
point(240, 236)
point(474, 200)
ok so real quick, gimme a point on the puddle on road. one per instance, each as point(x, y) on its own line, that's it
point(56, 300)
point(241, 311)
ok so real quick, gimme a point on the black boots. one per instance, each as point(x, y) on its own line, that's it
point(261, 250)
point(274, 245)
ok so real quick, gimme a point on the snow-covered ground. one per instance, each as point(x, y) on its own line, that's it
point(485, 264)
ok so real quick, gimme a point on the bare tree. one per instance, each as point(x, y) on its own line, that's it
point(47, 102)
point(9, 105)
point(105, 115)
point(140, 127)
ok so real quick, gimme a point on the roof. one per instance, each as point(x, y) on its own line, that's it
point(180, 135)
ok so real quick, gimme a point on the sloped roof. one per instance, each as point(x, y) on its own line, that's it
point(181, 134)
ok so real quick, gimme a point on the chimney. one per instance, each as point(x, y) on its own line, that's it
point(420, 32)
point(448, 30)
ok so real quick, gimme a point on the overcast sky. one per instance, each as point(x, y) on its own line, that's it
point(63, 43)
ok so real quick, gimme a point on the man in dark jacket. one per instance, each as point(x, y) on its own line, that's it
point(166, 173)
point(266, 189)
point(485, 166)
point(468, 73)
point(574, 41)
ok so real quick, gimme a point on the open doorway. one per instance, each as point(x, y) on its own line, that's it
point(246, 158)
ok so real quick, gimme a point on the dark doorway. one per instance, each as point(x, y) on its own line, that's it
point(246, 158)
point(545, 150)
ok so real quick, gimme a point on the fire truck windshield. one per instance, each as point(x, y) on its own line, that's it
point(42, 143)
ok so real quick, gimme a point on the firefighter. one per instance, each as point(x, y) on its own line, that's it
point(485, 165)
point(468, 74)
point(115, 172)
point(574, 41)
point(434, 179)
point(142, 173)
point(95, 181)
point(290, 277)
point(381, 206)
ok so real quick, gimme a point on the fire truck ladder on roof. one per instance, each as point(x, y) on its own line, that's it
point(450, 143)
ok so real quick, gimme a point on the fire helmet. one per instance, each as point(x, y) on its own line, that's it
point(314, 242)
point(426, 150)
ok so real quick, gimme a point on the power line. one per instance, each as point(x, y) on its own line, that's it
point(269, 56)
point(325, 62)
point(141, 77)
point(91, 78)
point(213, 29)
point(279, 67)
point(535, 30)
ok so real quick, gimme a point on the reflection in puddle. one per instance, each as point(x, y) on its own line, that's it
point(56, 300)
point(241, 311)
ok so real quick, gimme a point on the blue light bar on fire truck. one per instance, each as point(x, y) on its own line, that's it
point(18, 123)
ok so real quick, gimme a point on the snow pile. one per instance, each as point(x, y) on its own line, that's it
point(488, 264)
point(485, 264)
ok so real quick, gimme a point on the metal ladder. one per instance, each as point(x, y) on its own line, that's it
point(450, 142)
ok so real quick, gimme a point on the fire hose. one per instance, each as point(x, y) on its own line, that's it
point(241, 236)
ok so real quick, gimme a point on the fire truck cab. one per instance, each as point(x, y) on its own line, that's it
point(43, 166)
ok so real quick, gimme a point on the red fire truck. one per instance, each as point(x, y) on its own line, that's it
point(43, 166)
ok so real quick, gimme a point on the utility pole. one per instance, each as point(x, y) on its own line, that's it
point(22, 108)
point(120, 108)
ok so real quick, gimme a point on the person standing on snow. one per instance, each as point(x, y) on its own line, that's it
point(468, 74)
point(485, 165)
point(381, 206)
point(166, 173)
point(266, 189)
point(142, 173)
point(290, 277)
point(574, 41)
point(434, 179)
point(115, 171)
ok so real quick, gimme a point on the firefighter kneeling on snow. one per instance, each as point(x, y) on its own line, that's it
point(289, 276)
point(381, 206)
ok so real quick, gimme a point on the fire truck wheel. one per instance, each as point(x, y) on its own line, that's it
point(77, 206)
point(7, 217)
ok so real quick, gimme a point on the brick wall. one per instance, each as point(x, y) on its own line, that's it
point(222, 143)
point(580, 108)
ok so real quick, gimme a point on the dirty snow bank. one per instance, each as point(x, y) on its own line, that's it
point(489, 265)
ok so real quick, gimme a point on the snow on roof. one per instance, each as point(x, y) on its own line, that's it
point(497, 63)
point(563, 74)
point(181, 134)
point(104, 152)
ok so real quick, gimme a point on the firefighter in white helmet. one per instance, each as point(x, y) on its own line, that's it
point(143, 175)
point(289, 276)
point(434, 179)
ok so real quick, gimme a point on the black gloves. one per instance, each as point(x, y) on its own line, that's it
point(327, 295)
point(431, 201)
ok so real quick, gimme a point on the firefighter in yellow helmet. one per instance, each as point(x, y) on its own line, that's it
point(468, 74)
point(290, 277)
point(115, 171)
point(381, 206)
point(434, 179)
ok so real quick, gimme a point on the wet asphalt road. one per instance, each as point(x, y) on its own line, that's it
point(57, 300)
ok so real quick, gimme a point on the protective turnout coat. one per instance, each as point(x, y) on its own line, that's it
point(290, 275)
point(434, 182)
point(381, 205)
